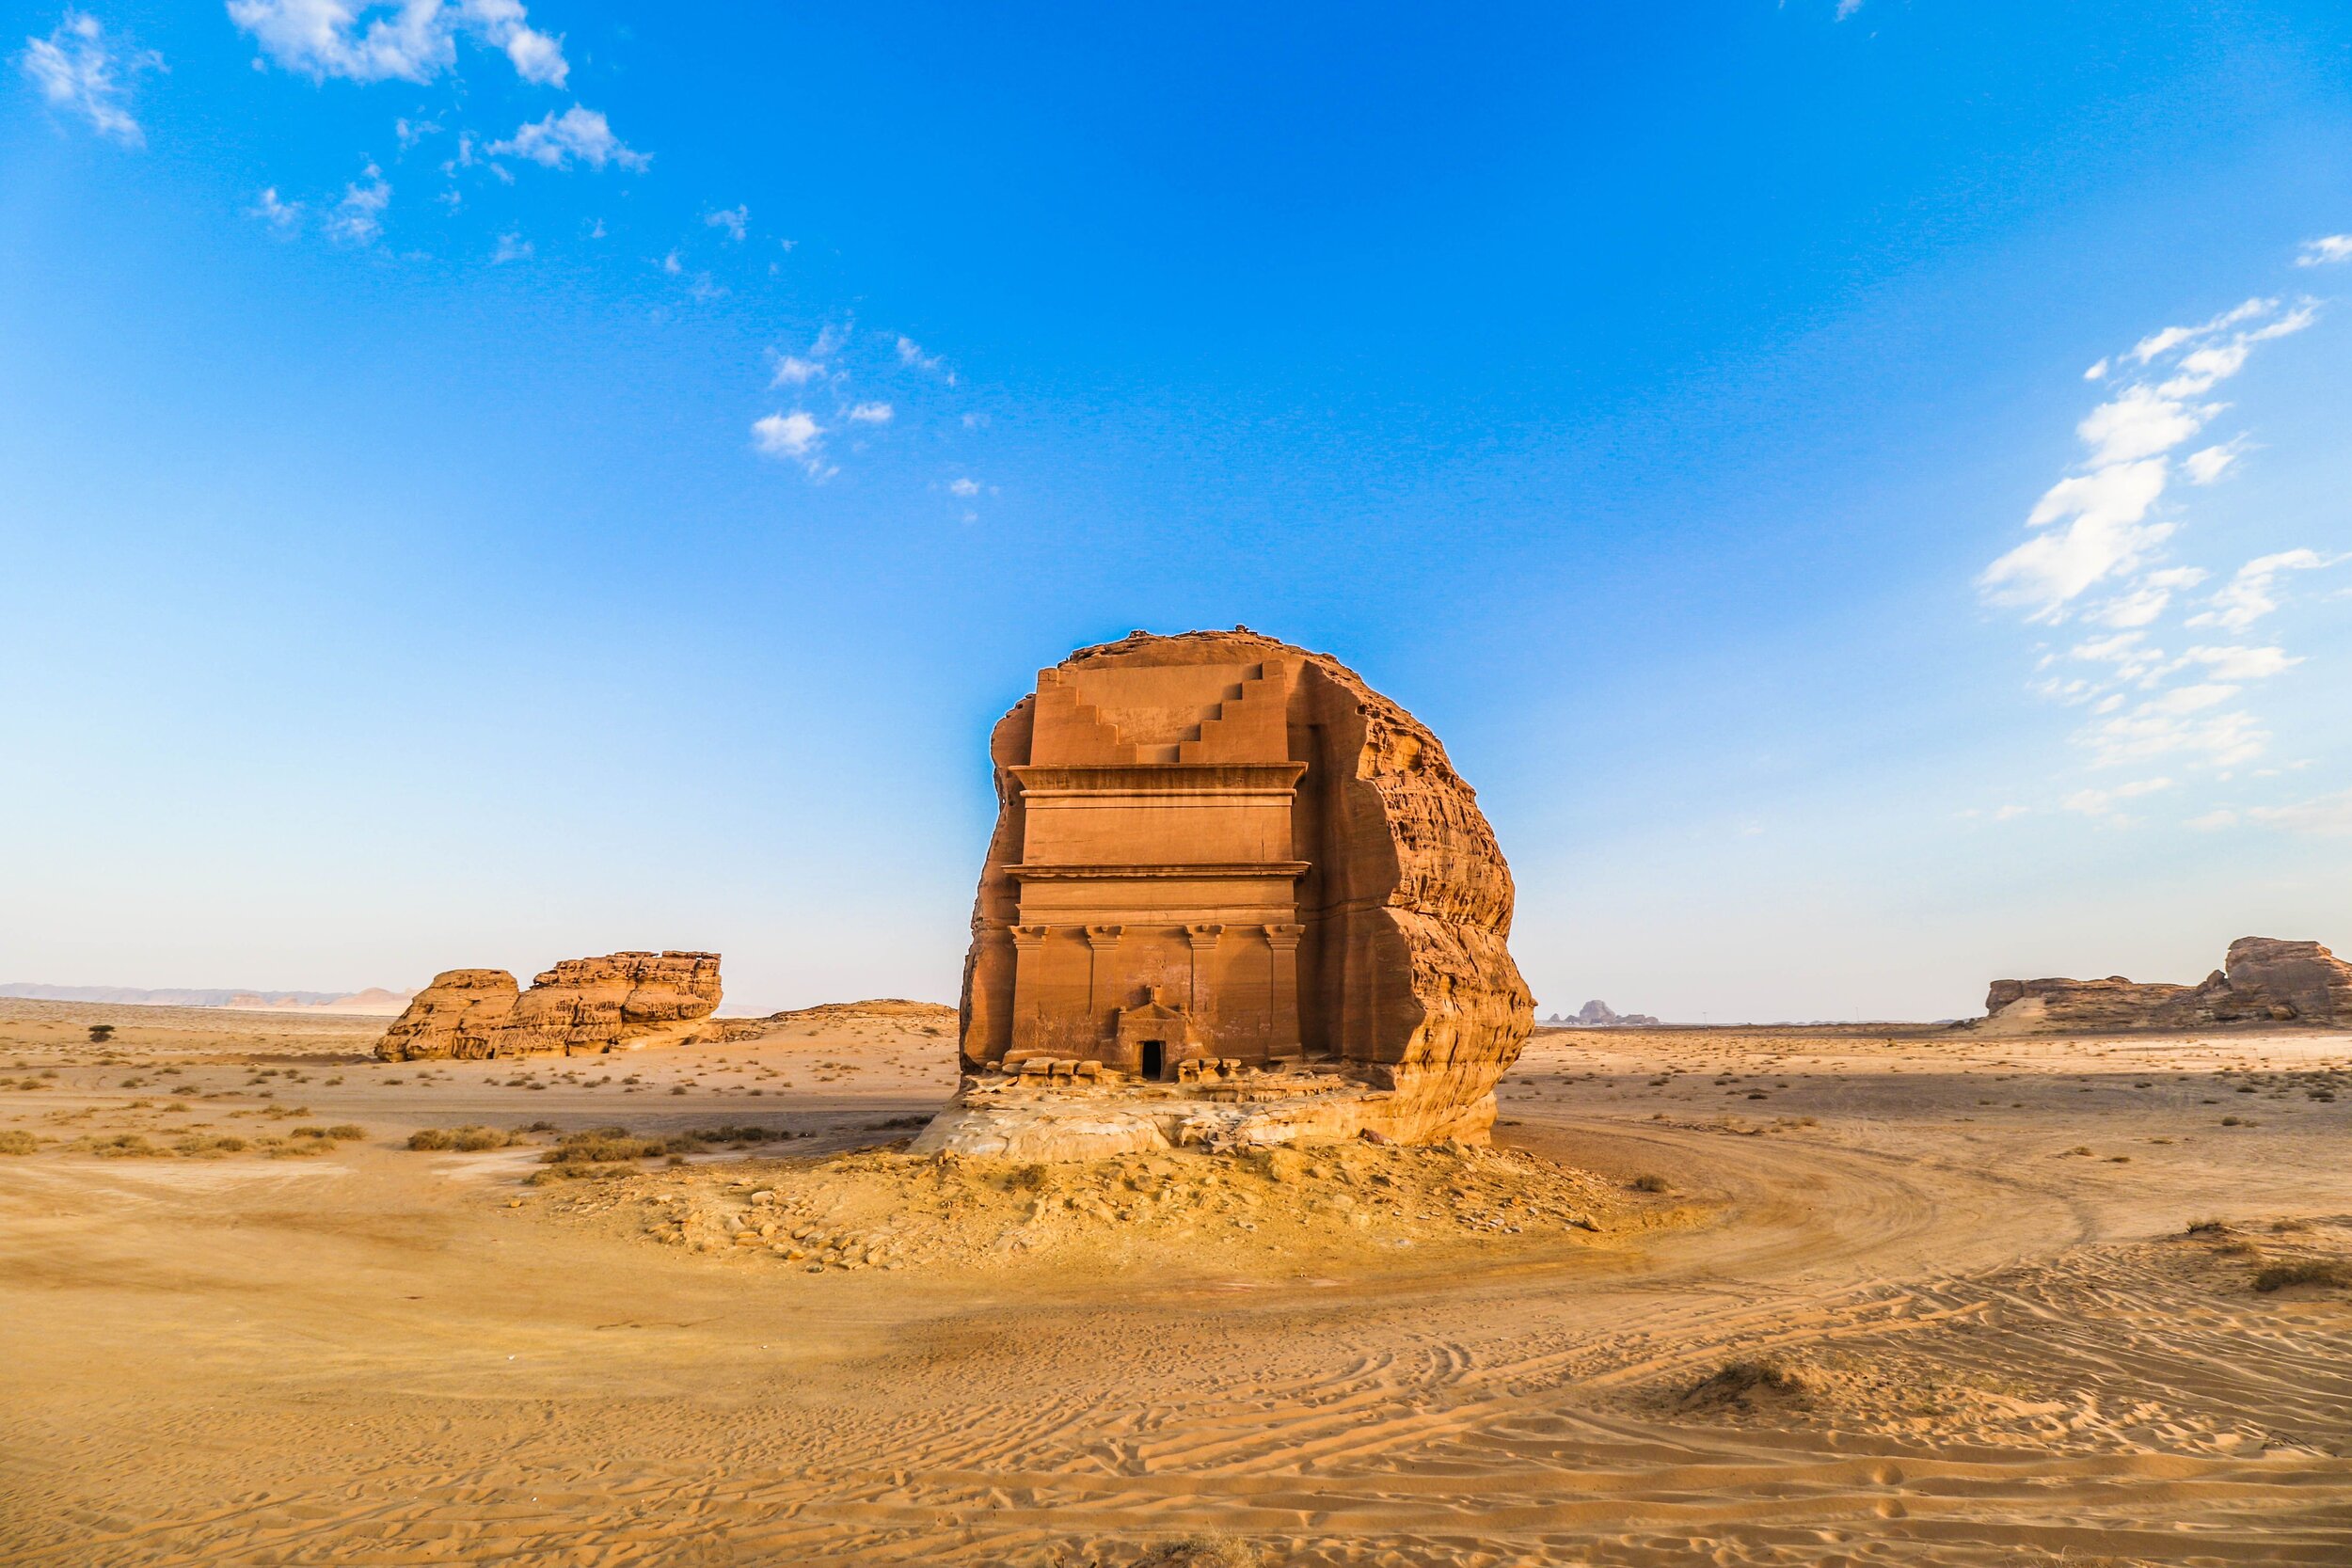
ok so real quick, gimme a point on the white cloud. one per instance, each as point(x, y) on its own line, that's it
point(283, 217)
point(2326, 814)
point(793, 371)
point(511, 248)
point(2241, 664)
point(412, 132)
point(911, 354)
point(2208, 463)
point(733, 219)
point(414, 41)
point(967, 488)
point(2100, 802)
point(2158, 343)
point(671, 265)
point(2327, 249)
point(556, 140)
point(78, 69)
point(2158, 729)
point(2009, 814)
point(2247, 597)
point(2106, 535)
point(2139, 423)
point(871, 413)
point(795, 436)
point(2214, 821)
point(2125, 650)
point(2147, 598)
point(360, 215)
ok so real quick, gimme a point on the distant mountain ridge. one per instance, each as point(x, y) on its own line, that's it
point(375, 999)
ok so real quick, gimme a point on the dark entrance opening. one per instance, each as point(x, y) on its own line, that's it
point(1154, 1059)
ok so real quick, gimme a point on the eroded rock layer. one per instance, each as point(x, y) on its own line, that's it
point(2262, 980)
point(1226, 864)
point(581, 1005)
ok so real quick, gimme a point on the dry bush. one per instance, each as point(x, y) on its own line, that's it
point(472, 1138)
point(2308, 1271)
point(1650, 1183)
point(1743, 1383)
point(1215, 1550)
point(196, 1146)
point(124, 1145)
point(16, 1141)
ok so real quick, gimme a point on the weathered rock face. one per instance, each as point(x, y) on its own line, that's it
point(455, 1016)
point(581, 1005)
point(2263, 981)
point(1219, 859)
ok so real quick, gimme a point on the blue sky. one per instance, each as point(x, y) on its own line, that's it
point(482, 483)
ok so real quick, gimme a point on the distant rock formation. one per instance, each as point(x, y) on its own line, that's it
point(622, 1001)
point(375, 999)
point(1600, 1015)
point(1227, 868)
point(2262, 980)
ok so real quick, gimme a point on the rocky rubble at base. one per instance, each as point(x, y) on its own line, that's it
point(2262, 981)
point(581, 1006)
point(890, 1210)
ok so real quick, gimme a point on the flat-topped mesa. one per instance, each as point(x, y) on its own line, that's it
point(623, 1000)
point(1226, 873)
point(2262, 981)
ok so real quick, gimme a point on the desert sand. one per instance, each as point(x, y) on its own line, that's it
point(1717, 1296)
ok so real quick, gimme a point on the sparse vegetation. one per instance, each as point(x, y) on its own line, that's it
point(468, 1139)
point(1743, 1383)
point(16, 1141)
point(1651, 1181)
point(2305, 1270)
point(100, 1032)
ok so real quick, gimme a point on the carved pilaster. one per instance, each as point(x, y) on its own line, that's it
point(1102, 998)
point(1282, 949)
point(1202, 1004)
point(1029, 951)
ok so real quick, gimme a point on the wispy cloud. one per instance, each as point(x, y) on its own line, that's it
point(2328, 816)
point(2100, 803)
point(793, 371)
point(576, 135)
point(734, 220)
point(511, 247)
point(911, 354)
point(283, 217)
point(81, 71)
point(871, 413)
point(795, 437)
point(2251, 594)
point(415, 40)
point(2326, 251)
point(358, 217)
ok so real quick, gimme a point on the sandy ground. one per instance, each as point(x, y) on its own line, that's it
point(1904, 1299)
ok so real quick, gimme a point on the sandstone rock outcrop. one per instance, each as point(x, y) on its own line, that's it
point(455, 1016)
point(581, 1007)
point(1227, 864)
point(2262, 981)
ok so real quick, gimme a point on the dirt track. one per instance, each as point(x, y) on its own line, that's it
point(2007, 1351)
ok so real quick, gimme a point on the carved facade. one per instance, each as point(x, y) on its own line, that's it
point(1216, 847)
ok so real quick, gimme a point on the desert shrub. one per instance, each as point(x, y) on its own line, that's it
point(602, 1146)
point(1650, 1183)
point(428, 1139)
point(196, 1146)
point(292, 1149)
point(1740, 1383)
point(309, 1131)
point(2309, 1270)
point(15, 1141)
point(1215, 1550)
point(100, 1032)
point(124, 1146)
point(344, 1131)
point(2208, 1227)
